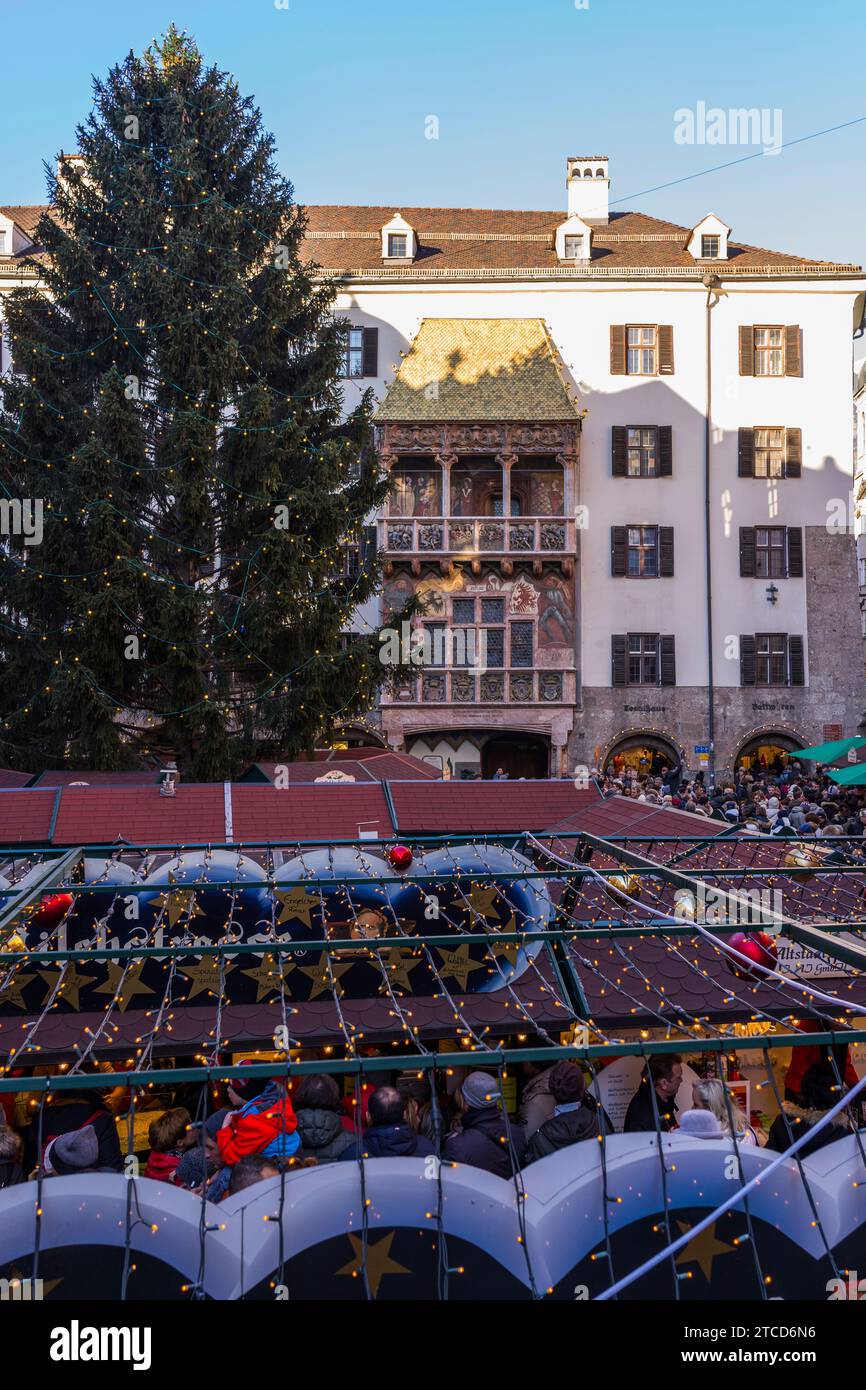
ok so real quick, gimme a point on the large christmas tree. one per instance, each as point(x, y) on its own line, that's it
point(176, 407)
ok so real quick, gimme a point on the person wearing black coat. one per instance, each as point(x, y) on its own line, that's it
point(66, 1113)
point(577, 1116)
point(389, 1135)
point(663, 1075)
point(484, 1138)
point(320, 1121)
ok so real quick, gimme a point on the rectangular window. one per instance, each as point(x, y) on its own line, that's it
point(769, 351)
point(574, 248)
point(463, 610)
point(710, 246)
point(396, 244)
point(434, 644)
point(353, 353)
point(643, 452)
point(495, 637)
point(769, 452)
point(641, 350)
point(643, 658)
point(770, 552)
point(771, 658)
point(642, 552)
point(521, 644)
point(493, 610)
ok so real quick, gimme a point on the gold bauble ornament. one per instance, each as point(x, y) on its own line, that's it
point(685, 905)
point(629, 884)
point(15, 942)
point(801, 858)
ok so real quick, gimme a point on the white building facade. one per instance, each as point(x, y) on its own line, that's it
point(622, 449)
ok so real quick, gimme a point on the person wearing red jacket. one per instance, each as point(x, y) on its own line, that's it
point(264, 1124)
point(802, 1058)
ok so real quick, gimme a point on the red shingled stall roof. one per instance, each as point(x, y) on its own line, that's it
point(340, 811)
point(458, 807)
point(378, 765)
point(10, 778)
point(99, 815)
point(98, 779)
point(25, 815)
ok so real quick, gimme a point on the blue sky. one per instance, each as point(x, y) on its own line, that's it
point(347, 89)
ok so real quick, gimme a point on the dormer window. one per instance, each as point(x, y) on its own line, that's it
point(399, 242)
point(573, 240)
point(708, 241)
point(575, 248)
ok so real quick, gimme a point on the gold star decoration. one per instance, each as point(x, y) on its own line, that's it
point(703, 1249)
point(484, 900)
point(379, 1262)
point(72, 985)
point(267, 977)
point(296, 904)
point(457, 964)
point(509, 949)
point(205, 976)
point(397, 964)
point(322, 977)
point(12, 993)
point(125, 990)
point(179, 903)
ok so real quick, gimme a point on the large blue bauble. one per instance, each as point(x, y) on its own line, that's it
point(104, 911)
point(314, 902)
point(453, 890)
point(196, 906)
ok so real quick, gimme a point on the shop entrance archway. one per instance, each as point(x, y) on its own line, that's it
point(767, 751)
point(644, 753)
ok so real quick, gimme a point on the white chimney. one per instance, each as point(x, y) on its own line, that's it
point(588, 188)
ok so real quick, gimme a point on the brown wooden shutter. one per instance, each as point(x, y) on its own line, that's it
point(795, 552)
point(619, 451)
point(666, 552)
point(666, 349)
point(793, 453)
point(370, 362)
point(618, 665)
point(747, 349)
point(668, 661)
point(793, 356)
point(796, 663)
point(617, 349)
point(746, 453)
point(748, 672)
point(747, 552)
point(666, 451)
point(617, 551)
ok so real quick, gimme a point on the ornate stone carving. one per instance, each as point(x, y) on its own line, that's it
point(485, 438)
point(463, 689)
point(429, 537)
point(550, 685)
point(520, 688)
point(521, 537)
point(553, 536)
point(411, 438)
point(493, 688)
point(433, 689)
point(461, 535)
point(491, 536)
point(400, 538)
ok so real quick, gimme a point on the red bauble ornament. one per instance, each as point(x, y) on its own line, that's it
point(50, 911)
point(400, 858)
point(756, 946)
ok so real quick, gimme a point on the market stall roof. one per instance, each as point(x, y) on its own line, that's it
point(854, 776)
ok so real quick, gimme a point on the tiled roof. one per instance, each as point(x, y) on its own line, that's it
point(97, 779)
point(460, 241)
point(25, 816)
point(376, 766)
point(10, 778)
point(101, 815)
point(324, 812)
point(483, 369)
point(458, 807)
point(25, 216)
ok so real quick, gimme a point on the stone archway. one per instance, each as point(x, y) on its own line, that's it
point(644, 751)
point(768, 750)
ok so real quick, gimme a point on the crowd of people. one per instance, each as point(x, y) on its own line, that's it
point(268, 1125)
point(760, 801)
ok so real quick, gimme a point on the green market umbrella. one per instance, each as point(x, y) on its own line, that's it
point(829, 752)
point(854, 776)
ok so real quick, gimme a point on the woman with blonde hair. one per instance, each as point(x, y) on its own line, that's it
point(711, 1095)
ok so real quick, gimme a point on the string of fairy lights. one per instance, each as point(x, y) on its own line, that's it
point(640, 898)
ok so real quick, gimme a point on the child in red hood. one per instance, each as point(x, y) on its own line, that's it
point(165, 1134)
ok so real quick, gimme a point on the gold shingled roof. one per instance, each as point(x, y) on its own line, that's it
point(479, 369)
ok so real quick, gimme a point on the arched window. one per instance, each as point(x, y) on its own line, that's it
point(587, 173)
point(599, 173)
